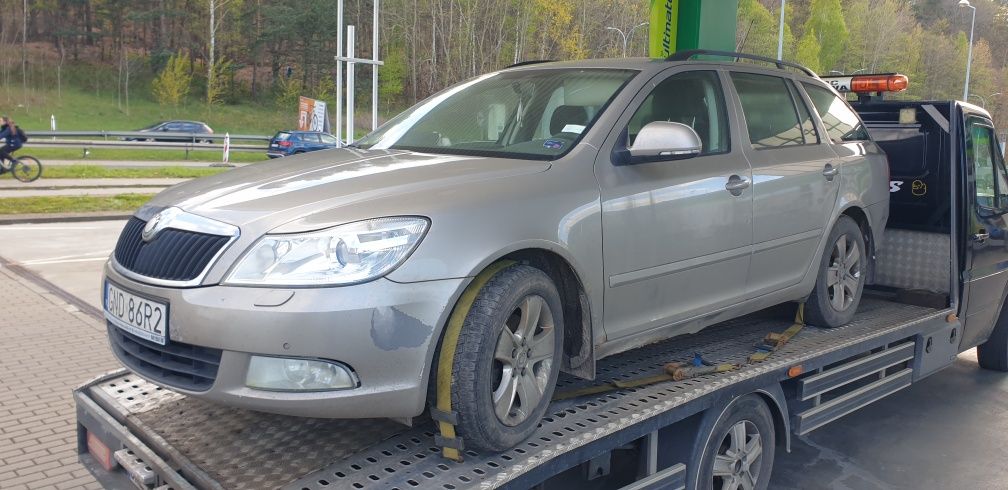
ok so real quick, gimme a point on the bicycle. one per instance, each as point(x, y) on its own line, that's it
point(25, 168)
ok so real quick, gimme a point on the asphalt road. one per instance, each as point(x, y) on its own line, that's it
point(70, 255)
point(949, 431)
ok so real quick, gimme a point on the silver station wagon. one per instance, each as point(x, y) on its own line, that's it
point(546, 216)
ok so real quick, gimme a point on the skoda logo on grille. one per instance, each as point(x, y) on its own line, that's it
point(159, 222)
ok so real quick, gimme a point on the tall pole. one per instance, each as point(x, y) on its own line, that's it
point(780, 33)
point(969, 55)
point(374, 69)
point(339, 71)
point(350, 85)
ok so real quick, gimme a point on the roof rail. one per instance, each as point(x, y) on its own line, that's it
point(686, 55)
point(529, 62)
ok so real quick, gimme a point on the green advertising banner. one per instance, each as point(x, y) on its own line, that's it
point(663, 28)
point(678, 25)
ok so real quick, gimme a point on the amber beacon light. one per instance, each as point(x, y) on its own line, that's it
point(862, 84)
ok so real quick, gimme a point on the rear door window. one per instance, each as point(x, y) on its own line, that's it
point(841, 122)
point(310, 138)
point(770, 113)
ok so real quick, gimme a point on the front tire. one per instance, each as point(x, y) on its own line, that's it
point(737, 452)
point(841, 278)
point(507, 359)
point(993, 354)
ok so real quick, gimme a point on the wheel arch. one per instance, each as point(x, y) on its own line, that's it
point(773, 396)
point(578, 350)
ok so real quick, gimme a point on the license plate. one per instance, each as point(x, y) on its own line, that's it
point(135, 314)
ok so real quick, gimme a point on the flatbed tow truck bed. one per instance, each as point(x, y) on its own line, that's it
point(185, 443)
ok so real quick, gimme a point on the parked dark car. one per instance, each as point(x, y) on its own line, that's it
point(188, 127)
point(287, 143)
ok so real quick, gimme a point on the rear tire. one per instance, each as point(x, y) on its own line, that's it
point(993, 354)
point(26, 169)
point(737, 450)
point(507, 359)
point(840, 282)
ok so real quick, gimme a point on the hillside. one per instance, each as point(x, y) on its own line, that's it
point(79, 59)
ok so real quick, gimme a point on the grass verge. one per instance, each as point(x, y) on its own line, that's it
point(71, 204)
point(141, 154)
point(100, 172)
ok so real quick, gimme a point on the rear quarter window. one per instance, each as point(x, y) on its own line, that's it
point(842, 123)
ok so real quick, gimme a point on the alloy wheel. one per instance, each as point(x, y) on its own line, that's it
point(523, 360)
point(739, 458)
point(843, 276)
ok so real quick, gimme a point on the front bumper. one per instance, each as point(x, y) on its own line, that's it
point(385, 331)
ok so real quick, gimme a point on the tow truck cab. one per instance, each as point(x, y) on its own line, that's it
point(921, 139)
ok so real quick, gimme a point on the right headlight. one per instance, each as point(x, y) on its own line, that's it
point(346, 254)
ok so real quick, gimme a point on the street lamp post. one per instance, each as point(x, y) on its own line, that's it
point(626, 35)
point(969, 55)
point(780, 33)
point(983, 100)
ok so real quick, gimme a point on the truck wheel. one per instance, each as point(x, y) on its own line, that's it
point(841, 278)
point(737, 450)
point(993, 354)
point(507, 359)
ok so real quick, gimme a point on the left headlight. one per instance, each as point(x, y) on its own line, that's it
point(346, 254)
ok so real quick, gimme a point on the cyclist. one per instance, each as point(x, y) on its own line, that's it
point(13, 138)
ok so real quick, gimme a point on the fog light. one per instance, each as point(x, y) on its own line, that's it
point(277, 373)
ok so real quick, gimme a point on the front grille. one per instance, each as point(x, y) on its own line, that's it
point(173, 255)
point(178, 365)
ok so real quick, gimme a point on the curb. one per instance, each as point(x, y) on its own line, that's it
point(33, 277)
point(18, 219)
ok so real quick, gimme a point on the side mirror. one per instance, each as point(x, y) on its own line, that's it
point(662, 141)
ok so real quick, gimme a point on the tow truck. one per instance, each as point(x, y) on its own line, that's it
point(939, 287)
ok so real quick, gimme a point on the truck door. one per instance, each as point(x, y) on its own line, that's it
point(987, 268)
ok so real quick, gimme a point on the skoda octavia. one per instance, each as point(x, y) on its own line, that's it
point(547, 215)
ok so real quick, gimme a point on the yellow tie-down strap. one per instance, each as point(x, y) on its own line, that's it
point(774, 341)
point(451, 446)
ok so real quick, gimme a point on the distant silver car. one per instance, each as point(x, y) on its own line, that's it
point(590, 207)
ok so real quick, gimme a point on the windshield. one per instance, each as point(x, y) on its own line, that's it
point(532, 114)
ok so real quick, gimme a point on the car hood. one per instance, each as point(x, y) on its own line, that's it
point(265, 195)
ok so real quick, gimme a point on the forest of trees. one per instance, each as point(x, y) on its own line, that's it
point(271, 51)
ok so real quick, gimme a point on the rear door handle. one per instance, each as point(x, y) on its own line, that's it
point(830, 171)
point(737, 184)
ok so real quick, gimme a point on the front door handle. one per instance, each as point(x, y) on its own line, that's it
point(737, 184)
point(981, 236)
point(830, 171)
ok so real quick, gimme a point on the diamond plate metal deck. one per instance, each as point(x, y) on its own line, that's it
point(244, 449)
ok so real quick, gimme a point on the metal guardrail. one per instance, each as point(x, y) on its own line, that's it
point(144, 135)
point(155, 140)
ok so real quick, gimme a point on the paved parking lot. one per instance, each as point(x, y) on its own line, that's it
point(946, 432)
point(69, 255)
point(47, 347)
